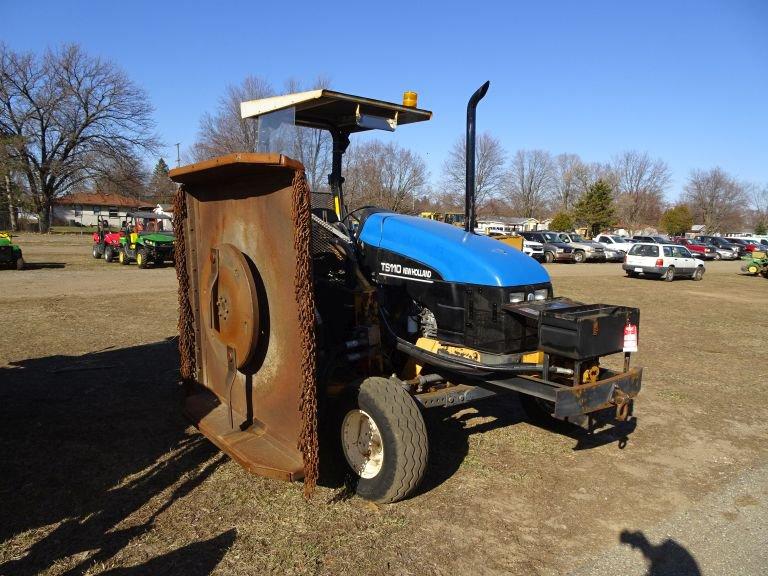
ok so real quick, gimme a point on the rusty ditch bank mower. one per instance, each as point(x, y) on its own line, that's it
point(300, 317)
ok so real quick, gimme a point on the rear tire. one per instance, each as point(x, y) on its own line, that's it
point(384, 440)
point(631, 274)
point(19, 263)
point(549, 257)
point(109, 254)
point(670, 274)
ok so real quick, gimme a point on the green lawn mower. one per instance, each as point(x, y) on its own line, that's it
point(757, 264)
point(10, 253)
point(147, 239)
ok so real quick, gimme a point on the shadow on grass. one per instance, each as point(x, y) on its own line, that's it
point(43, 265)
point(86, 448)
point(449, 431)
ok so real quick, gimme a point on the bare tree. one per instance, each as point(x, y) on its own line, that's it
point(489, 171)
point(715, 199)
point(312, 147)
point(529, 181)
point(759, 198)
point(640, 183)
point(384, 175)
point(75, 116)
point(570, 180)
point(225, 131)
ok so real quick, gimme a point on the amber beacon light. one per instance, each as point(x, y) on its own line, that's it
point(410, 99)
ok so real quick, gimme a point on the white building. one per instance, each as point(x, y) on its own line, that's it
point(89, 208)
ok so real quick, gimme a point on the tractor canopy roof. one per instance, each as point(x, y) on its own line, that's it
point(336, 110)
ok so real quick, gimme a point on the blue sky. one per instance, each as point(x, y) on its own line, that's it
point(686, 81)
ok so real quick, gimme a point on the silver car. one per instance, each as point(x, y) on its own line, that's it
point(583, 249)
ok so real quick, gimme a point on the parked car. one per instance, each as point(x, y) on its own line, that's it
point(614, 255)
point(583, 249)
point(554, 249)
point(667, 261)
point(613, 242)
point(652, 239)
point(723, 246)
point(534, 249)
point(748, 246)
point(698, 249)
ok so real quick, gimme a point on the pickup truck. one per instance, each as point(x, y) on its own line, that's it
point(612, 242)
point(699, 250)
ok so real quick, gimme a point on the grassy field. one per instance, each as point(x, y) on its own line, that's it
point(101, 473)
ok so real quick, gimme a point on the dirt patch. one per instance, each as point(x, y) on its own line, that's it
point(105, 476)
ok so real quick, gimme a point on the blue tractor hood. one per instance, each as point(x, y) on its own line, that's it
point(458, 256)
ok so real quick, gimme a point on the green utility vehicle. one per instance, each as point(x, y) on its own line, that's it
point(10, 253)
point(148, 239)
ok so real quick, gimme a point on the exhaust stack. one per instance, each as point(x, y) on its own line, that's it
point(469, 198)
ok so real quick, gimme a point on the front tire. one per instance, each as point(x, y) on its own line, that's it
point(549, 257)
point(122, 257)
point(96, 251)
point(579, 256)
point(698, 274)
point(717, 256)
point(142, 261)
point(384, 440)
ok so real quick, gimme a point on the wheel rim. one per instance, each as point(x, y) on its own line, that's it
point(362, 444)
point(139, 259)
point(122, 257)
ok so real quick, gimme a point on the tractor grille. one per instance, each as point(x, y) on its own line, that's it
point(6, 253)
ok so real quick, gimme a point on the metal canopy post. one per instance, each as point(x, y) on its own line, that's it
point(335, 179)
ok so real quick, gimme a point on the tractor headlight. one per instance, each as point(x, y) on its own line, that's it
point(540, 294)
point(515, 297)
point(149, 242)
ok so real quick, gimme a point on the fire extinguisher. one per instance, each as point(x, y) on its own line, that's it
point(630, 337)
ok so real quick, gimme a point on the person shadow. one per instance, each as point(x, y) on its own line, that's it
point(666, 559)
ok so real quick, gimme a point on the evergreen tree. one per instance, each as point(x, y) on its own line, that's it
point(562, 222)
point(677, 220)
point(595, 208)
point(161, 187)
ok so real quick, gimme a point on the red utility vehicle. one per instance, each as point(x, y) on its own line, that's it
point(106, 243)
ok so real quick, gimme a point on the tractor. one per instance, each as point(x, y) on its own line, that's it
point(10, 253)
point(146, 238)
point(757, 263)
point(307, 324)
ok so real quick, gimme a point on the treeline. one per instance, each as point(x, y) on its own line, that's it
point(525, 183)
